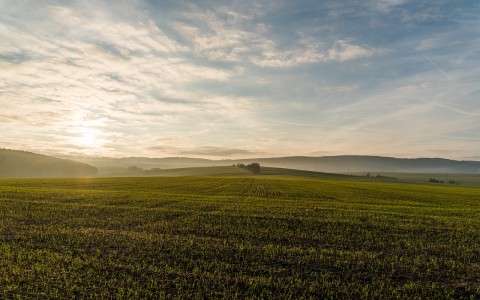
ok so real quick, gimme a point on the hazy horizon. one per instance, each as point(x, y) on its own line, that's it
point(249, 79)
point(81, 157)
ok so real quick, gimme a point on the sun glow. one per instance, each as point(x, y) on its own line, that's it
point(85, 133)
point(89, 138)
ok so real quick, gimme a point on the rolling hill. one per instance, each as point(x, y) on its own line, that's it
point(26, 164)
point(358, 163)
point(234, 171)
point(331, 164)
point(21, 164)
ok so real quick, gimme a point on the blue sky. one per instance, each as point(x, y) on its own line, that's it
point(230, 79)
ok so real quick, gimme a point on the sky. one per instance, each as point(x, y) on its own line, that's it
point(240, 79)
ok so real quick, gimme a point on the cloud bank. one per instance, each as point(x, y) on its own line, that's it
point(238, 79)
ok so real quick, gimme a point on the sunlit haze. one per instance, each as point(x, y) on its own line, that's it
point(238, 79)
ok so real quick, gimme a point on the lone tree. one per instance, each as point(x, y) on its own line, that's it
point(253, 167)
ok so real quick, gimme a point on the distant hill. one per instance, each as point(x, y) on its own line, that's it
point(353, 163)
point(331, 164)
point(146, 162)
point(21, 164)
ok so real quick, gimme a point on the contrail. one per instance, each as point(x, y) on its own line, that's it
point(445, 74)
point(452, 108)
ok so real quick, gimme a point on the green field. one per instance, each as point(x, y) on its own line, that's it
point(239, 236)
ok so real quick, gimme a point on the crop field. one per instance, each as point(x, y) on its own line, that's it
point(237, 237)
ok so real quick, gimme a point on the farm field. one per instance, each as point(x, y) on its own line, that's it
point(239, 236)
point(447, 179)
point(466, 180)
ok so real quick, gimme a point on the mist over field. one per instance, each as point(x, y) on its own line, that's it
point(332, 164)
point(29, 165)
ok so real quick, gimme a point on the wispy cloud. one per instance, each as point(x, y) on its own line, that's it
point(202, 151)
point(237, 38)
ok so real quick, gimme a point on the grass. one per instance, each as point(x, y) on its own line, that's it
point(237, 237)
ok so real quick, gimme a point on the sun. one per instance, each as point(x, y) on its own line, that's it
point(88, 138)
point(87, 135)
